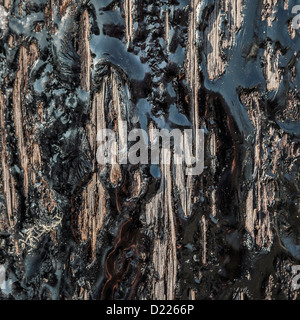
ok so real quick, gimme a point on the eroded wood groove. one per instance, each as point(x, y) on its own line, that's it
point(84, 51)
point(20, 87)
point(128, 9)
point(215, 41)
point(11, 205)
point(161, 217)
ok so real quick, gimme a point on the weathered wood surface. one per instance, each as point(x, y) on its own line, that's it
point(73, 229)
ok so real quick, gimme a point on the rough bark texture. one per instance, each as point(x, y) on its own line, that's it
point(73, 229)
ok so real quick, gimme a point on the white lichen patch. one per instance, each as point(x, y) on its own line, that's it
point(31, 237)
point(3, 18)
